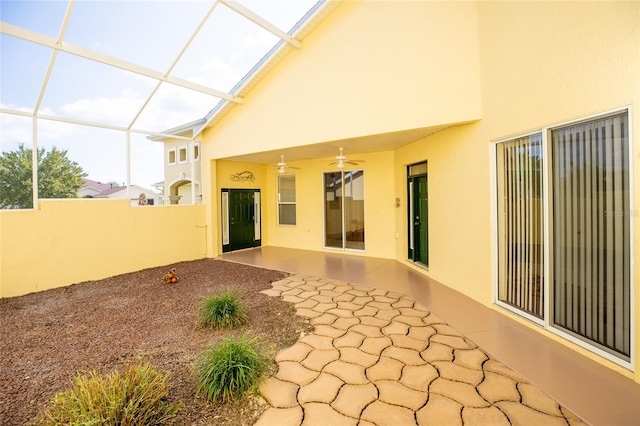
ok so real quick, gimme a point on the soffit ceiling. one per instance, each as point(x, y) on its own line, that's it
point(360, 145)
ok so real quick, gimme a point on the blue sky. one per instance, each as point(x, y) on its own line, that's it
point(146, 33)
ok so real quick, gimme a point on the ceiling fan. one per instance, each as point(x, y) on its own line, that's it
point(341, 160)
point(282, 166)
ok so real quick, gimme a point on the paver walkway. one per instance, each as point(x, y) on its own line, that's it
point(378, 357)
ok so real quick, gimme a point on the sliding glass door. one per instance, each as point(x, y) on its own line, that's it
point(591, 231)
point(344, 209)
point(520, 225)
point(587, 240)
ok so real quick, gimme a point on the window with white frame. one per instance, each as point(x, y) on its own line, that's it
point(182, 154)
point(588, 273)
point(196, 152)
point(171, 157)
point(286, 199)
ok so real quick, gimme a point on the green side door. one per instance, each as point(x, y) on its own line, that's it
point(418, 219)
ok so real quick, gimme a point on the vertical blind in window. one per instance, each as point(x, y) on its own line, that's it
point(520, 222)
point(591, 217)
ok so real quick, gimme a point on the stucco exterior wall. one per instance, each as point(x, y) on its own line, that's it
point(504, 68)
point(459, 208)
point(70, 241)
point(544, 63)
point(308, 233)
point(394, 66)
point(178, 176)
point(547, 62)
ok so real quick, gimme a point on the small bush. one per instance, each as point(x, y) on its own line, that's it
point(225, 310)
point(229, 370)
point(135, 397)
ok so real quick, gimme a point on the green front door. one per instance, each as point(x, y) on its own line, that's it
point(418, 219)
point(243, 216)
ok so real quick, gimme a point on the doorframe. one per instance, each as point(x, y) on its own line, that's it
point(342, 213)
point(225, 228)
point(411, 206)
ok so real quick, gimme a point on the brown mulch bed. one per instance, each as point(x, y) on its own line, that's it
point(46, 338)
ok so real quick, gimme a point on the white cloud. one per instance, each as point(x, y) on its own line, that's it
point(117, 110)
point(217, 73)
point(17, 129)
point(222, 74)
point(172, 106)
point(14, 129)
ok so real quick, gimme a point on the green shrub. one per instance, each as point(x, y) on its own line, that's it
point(135, 397)
point(230, 369)
point(225, 310)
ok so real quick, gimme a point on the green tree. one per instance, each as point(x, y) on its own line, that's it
point(58, 177)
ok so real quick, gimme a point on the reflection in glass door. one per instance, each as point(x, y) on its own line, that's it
point(344, 209)
point(591, 240)
point(520, 225)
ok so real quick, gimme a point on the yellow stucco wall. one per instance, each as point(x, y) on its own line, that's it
point(70, 241)
point(549, 62)
point(505, 68)
point(459, 207)
point(397, 65)
point(308, 233)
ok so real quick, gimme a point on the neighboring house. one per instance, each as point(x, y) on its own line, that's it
point(497, 146)
point(182, 174)
point(90, 188)
point(109, 191)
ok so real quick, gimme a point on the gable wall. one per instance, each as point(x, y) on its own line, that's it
point(370, 67)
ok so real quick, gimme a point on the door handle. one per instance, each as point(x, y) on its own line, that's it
point(416, 223)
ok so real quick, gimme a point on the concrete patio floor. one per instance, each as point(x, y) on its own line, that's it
point(368, 361)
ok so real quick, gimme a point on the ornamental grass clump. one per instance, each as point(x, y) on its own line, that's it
point(225, 310)
point(228, 370)
point(135, 397)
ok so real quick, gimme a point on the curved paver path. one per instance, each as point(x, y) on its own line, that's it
point(378, 357)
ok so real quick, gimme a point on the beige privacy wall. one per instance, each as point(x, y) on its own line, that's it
point(70, 241)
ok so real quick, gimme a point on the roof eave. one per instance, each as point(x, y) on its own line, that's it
point(184, 130)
